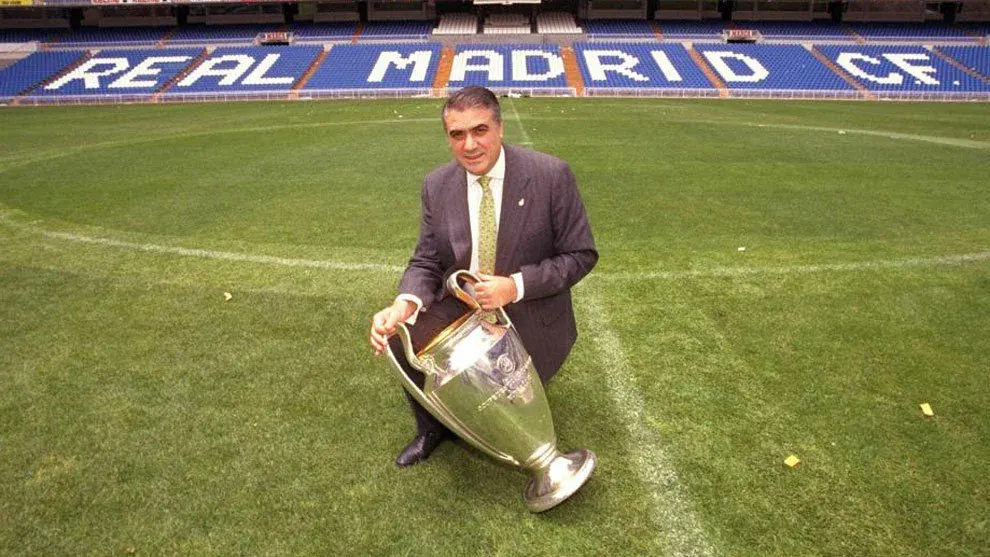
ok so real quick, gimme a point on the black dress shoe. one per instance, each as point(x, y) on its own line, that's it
point(420, 448)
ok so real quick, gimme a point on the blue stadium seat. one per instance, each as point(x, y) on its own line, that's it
point(796, 30)
point(908, 31)
point(903, 69)
point(635, 66)
point(976, 58)
point(117, 72)
point(28, 35)
point(399, 66)
point(204, 34)
point(397, 30)
point(238, 70)
point(617, 28)
point(103, 36)
point(787, 67)
point(706, 29)
point(542, 68)
point(323, 30)
point(34, 69)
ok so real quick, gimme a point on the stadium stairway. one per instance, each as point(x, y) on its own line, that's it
point(713, 78)
point(656, 30)
point(852, 32)
point(75, 64)
point(181, 75)
point(443, 71)
point(316, 63)
point(572, 70)
point(955, 63)
point(165, 38)
point(839, 72)
point(357, 33)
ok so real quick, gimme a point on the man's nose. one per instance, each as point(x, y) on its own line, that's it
point(469, 142)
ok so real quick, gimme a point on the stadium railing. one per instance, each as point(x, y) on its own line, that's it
point(319, 94)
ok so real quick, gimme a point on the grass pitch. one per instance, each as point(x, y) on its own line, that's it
point(141, 411)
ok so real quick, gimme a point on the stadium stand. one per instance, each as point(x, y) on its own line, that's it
point(457, 24)
point(695, 30)
point(106, 36)
point(976, 58)
point(796, 30)
point(520, 66)
point(557, 23)
point(211, 34)
point(396, 30)
point(132, 73)
point(28, 35)
point(617, 28)
point(908, 31)
point(405, 67)
point(904, 70)
point(324, 31)
point(33, 70)
point(623, 66)
point(765, 67)
point(392, 58)
point(242, 70)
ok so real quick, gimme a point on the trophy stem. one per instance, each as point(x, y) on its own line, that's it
point(555, 476)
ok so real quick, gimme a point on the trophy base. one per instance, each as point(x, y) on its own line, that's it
point(552, 484)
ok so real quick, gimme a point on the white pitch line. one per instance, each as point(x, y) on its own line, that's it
point(203, 253)
point(716, 272)
point(515, 113)
point(226, 255)
point(672, 509)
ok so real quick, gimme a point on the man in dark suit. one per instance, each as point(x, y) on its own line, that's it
point(513, 215)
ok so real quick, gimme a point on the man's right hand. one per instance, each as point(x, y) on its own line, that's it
point(384, 322)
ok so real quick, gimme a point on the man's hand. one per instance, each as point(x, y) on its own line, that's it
point(494, 292)
point(383, 323)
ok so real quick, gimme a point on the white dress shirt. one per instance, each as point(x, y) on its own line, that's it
point(474, 192)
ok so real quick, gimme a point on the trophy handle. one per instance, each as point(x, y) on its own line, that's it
point(466, 295)
point(435, 407)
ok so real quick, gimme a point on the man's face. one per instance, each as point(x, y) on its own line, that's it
point(475, 138)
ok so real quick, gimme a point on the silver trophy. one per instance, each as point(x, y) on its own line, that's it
point(481, 383)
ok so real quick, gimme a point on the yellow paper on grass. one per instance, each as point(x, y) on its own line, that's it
point(792, 461)
point(926, 409)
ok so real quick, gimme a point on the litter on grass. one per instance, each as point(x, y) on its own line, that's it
point(926, 409)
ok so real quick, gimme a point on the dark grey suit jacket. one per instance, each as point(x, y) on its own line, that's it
point(543, 233)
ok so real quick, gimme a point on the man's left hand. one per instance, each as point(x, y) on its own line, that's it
point(494, 292)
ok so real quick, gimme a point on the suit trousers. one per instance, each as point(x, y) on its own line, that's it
point(430, 322)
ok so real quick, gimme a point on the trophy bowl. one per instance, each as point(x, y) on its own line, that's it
point(480, 382)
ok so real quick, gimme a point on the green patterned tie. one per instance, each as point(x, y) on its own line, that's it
point(486, 228)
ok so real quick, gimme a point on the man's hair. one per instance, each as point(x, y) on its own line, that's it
point(472, 97)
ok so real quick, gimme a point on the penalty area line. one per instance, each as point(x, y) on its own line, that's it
point(672, 510)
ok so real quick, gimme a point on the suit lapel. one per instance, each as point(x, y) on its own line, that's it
point(460, 224)
point(513, 215)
